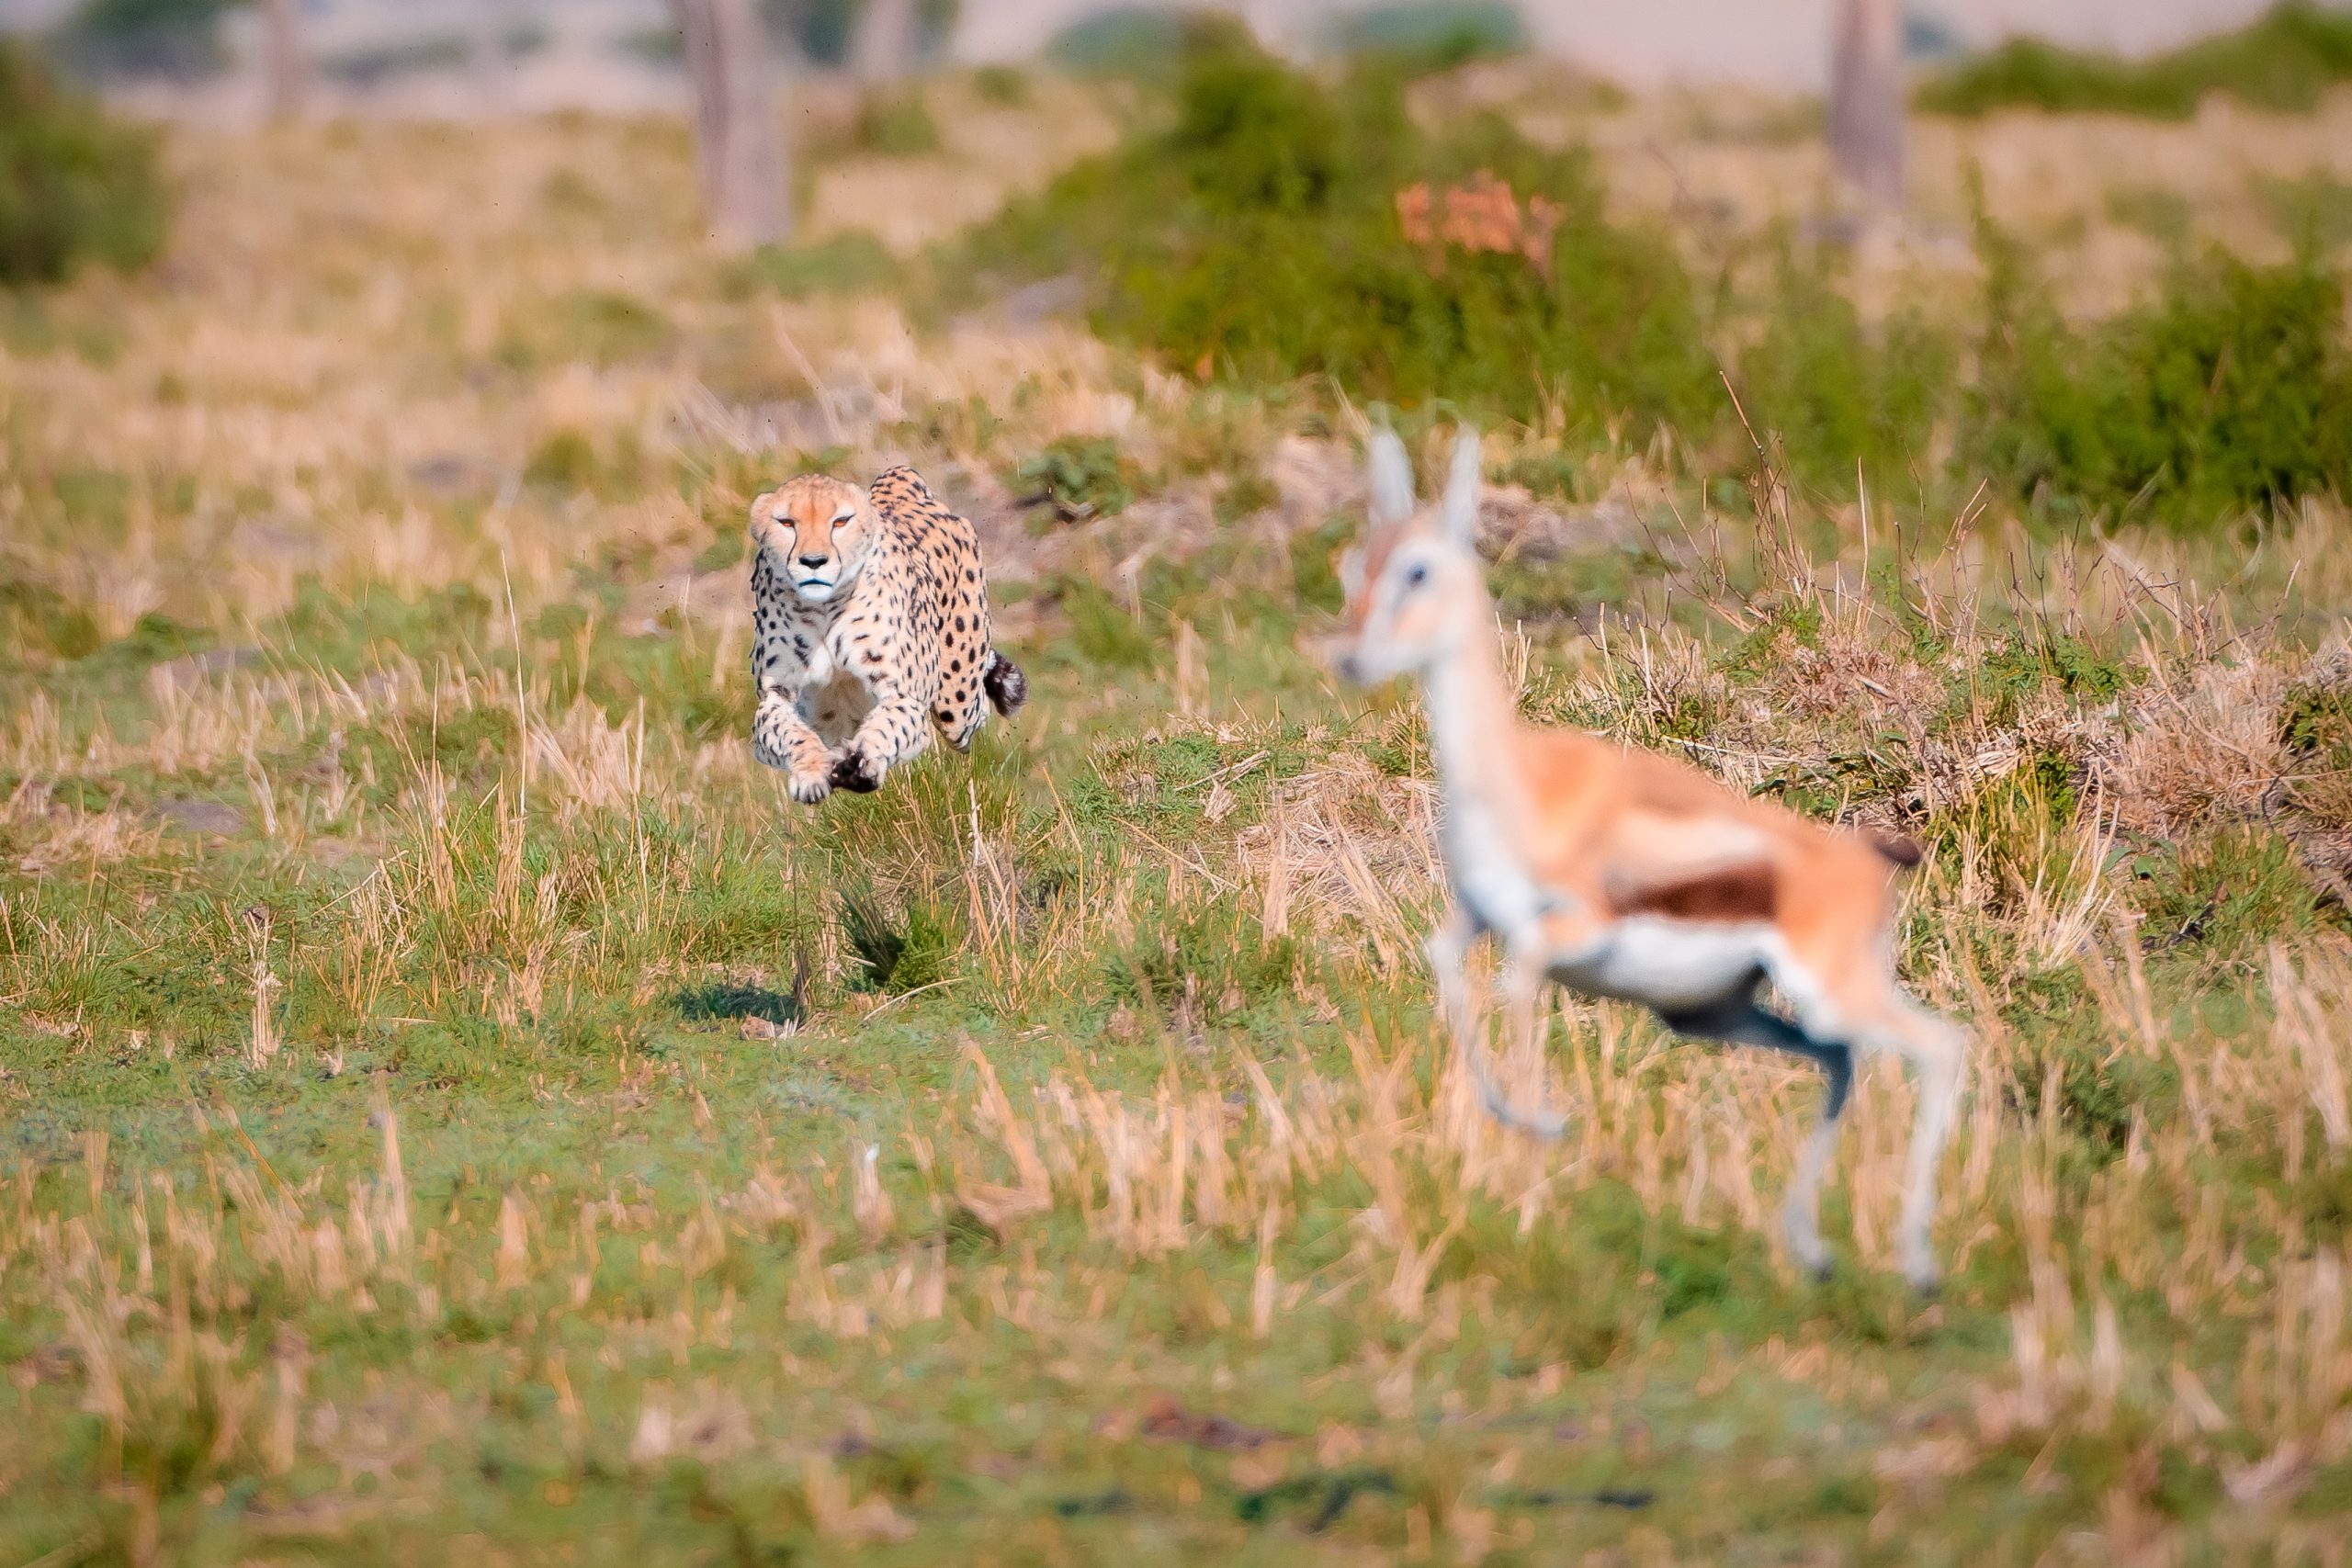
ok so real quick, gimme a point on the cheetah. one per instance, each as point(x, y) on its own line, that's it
point(870, 613)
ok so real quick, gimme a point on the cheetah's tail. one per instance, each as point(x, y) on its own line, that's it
point(1007, 687)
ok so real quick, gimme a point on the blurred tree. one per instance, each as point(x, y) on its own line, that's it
point(1866, 100)
point(286, 69)
point(738, 143)
point(886, 42)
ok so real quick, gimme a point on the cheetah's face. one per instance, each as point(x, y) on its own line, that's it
point(817, 531)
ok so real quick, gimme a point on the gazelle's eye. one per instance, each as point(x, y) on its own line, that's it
point(1416, 575)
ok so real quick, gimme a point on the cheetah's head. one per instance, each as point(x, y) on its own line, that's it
point(817, 531)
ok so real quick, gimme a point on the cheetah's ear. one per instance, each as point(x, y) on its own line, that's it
point(761, 511)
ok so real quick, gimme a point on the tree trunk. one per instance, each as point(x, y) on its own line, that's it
point(1866, 100)
point(886, 42)
point(286, 74)
point(490, 62)
point(739, 146)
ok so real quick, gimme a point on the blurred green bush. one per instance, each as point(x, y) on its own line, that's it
point(144, 37)
point(1433, 35)
point(74, 186)
point(1276, 227)
point(2285, 60)
point(1260, 236)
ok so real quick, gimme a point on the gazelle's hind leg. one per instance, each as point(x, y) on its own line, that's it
point(1937, 1051)
point(1739, 1021)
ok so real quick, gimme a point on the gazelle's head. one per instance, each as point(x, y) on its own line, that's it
point(1414, 586)
point(817, 531)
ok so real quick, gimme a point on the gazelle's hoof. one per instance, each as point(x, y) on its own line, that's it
point(1924, 1276)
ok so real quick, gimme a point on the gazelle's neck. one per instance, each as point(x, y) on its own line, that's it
point(1472, 709)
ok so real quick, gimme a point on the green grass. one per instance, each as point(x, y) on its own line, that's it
point(894, 125)
point(632, 1284)
point(449, 1093)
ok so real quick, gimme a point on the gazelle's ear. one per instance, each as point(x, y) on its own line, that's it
point(1392, 481)
point(1460, 513)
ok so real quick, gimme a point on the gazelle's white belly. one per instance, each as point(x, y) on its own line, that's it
point(1492, 885)
point(1672, 966)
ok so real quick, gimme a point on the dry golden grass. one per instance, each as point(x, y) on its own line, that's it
point(449, 1099)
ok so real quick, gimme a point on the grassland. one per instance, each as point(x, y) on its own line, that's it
point(456, 1104)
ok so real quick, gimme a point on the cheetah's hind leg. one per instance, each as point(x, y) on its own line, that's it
point(1008, 688)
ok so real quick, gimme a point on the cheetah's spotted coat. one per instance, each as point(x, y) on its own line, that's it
point(870, 615)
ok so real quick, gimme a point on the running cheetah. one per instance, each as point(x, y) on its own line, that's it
point(868, 613)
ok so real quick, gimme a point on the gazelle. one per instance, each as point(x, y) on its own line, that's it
point(1620, 873)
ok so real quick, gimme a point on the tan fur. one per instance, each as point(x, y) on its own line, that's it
point(869, 617)
point(1627, 874)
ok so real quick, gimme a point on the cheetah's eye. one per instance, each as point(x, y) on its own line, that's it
point(844, 515)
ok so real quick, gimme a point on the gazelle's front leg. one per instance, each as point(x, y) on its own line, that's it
point(1523, 978)
point(1447, 949)
point(781, 739)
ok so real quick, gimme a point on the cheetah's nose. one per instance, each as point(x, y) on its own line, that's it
point(812, 560)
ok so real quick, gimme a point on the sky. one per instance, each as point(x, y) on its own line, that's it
point(1778, 43)
point(1771, 42)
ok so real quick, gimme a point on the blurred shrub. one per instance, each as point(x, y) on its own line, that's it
point(37, 619)
point(1835, 394)
point(2313, 210)
point(895, 125)
point(1081, 476)
point(1004, 84)
point(1140, 41)
point(2231, 391)
point(146, 38)
point(826, 30)
point(2284, 60)
point(1433, 35)
point(847, 263)
point(375, 64)
point(1264, 235)
point(1276, 228)
point(74, 186)
point(591, 326)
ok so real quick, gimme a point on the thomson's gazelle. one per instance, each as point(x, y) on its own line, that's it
point(1620, 873)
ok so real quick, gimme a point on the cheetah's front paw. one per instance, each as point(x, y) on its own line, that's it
point(809, 788)
point(854, 771)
